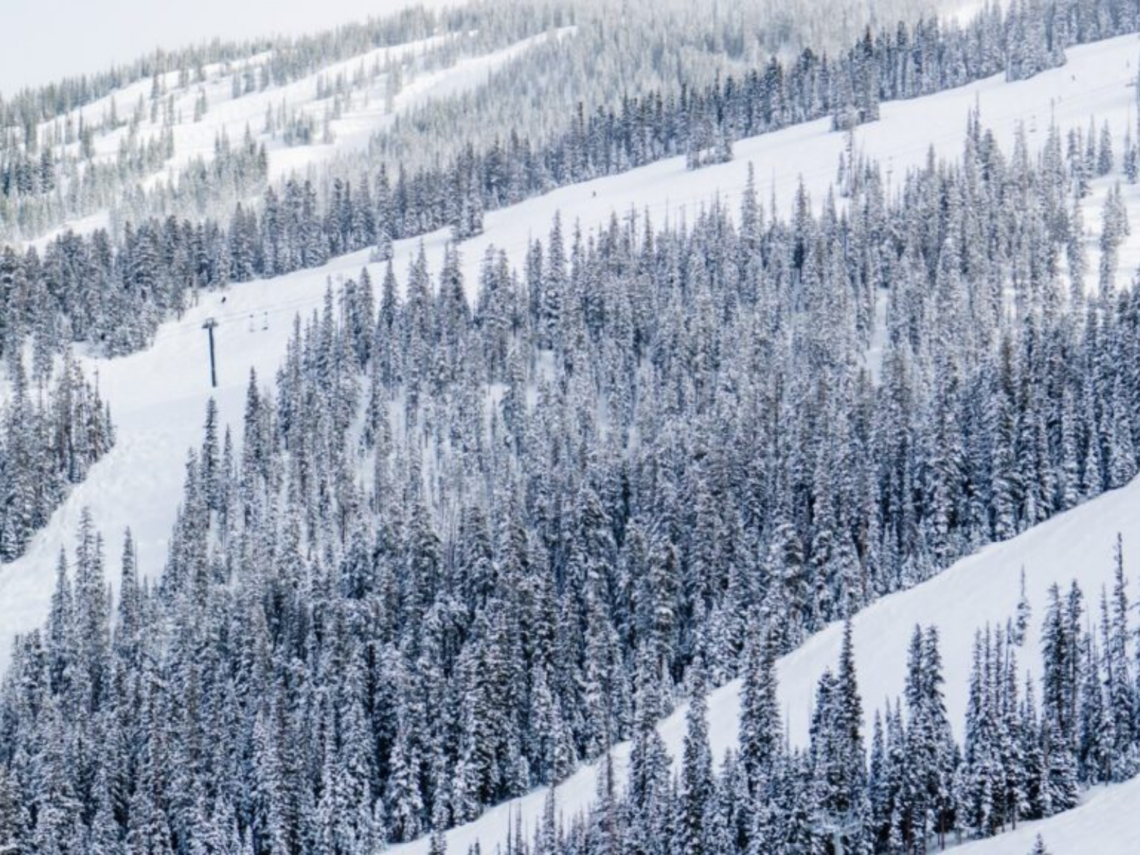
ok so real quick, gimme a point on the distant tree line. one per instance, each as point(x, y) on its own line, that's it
point(698, 120)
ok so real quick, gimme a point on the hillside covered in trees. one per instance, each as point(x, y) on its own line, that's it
point(628, 460)
point(469, 535)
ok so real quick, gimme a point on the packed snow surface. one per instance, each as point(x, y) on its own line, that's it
point(1104, 825)
point(158, 399)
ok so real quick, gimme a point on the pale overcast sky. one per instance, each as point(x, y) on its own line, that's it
point(48, 39)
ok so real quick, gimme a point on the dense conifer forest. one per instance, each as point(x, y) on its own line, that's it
point(460, 548)
point(50, 436)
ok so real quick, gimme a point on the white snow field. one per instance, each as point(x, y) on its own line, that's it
point(1104, 825)
point(158, 400)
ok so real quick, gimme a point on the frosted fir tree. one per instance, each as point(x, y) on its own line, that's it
point(1104, 157)
point(697, 785)
point(1114, 230)
point(1023, 613)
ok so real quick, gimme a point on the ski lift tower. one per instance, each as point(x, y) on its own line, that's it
point(208, 326)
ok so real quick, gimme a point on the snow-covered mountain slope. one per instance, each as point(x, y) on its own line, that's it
point(158, 396)
point(357, 98)
point(983, 587)
point(368, 113)
point(978, 589)
point(1104, 825)
point(45, 52)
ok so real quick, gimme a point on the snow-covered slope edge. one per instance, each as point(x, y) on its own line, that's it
point(983, 587)
point(1105, 825)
